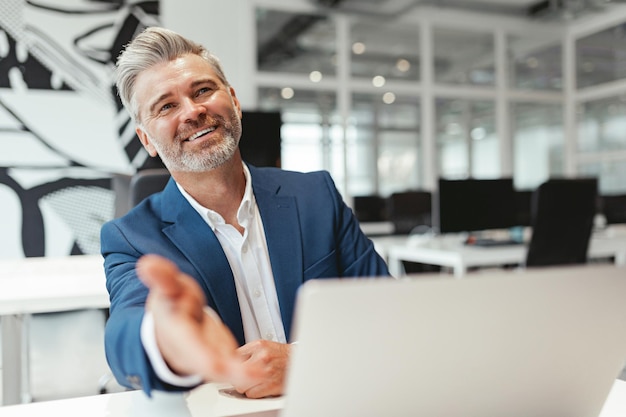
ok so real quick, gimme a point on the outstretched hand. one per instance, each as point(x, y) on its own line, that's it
point(191, 341)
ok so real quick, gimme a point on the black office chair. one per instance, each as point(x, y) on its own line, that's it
point(614, 208)
point(147, 182)
point(409, 210)
point(563, 212)
point(130, 190)
point(369, 208)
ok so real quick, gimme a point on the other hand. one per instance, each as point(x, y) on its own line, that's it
point(271, 359)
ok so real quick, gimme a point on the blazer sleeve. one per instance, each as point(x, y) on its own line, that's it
point(355, 251)
point(123, 347)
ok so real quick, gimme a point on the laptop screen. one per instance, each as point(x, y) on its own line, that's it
point(545, 342)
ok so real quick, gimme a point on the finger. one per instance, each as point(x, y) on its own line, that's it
point(246, 351)
point(247, 379)
point(247, 389)
point(258, 382)
point(258, 391)
point(160, 274)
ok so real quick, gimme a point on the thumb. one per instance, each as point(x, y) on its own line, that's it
point(160, 274)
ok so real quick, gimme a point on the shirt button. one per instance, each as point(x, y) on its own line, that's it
point(244, 248)
point(257, 293)
point(269, 336)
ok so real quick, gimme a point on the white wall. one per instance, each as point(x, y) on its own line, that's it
point(226, 28)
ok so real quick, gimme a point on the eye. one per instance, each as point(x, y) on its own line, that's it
point(203, 91)
point(164, 108)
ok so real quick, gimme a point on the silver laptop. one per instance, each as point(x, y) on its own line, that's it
point(542, 343)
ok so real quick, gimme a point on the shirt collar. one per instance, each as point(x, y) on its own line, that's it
point(244, 213)
point(246, 208)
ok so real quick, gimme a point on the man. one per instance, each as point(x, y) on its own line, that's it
point(237, 239)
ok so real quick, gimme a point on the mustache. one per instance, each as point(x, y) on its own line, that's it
point(203, 121)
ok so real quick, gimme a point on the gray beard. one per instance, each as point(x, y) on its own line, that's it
point(207, 158)
point(204, 160)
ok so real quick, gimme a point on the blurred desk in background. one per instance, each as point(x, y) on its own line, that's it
point(377, 228)
point(41, 285)
point(450, 251)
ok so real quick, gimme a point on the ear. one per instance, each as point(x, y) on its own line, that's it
point(236, 101)
point(145, 141)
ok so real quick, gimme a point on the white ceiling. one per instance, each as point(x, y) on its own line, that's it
point(570, 9)
point(296, 43)
point(516, 3)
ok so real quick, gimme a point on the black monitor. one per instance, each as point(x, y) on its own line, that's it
point(614, 208)
point(473, 205)
point(261, 138)
point(523, 204)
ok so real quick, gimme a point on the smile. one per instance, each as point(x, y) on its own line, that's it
point(200, 133)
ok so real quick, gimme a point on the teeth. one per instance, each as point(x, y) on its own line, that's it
point(200, 133)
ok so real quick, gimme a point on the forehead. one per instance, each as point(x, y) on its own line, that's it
point(167, 78)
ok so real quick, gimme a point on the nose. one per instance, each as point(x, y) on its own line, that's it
point(191, 110)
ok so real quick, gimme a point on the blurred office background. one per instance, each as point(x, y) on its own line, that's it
point(390, 95)
point(387, 95)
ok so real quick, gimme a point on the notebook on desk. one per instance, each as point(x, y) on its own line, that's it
point(538, 343)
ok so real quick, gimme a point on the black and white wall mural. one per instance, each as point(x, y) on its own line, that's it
point(63, 133)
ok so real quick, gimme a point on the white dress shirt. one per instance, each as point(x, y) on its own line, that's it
point(249, 261)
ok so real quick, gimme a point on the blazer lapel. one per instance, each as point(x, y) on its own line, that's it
point(195, 239)
point(284, 243)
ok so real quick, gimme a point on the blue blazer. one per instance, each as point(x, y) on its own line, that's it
point(311, 233)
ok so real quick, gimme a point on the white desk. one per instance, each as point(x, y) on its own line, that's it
point(41, 285)
point(377, 228)
point(449, 251)
point(210, 400)
point(207, 401)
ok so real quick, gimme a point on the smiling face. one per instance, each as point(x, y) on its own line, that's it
point(186, 115)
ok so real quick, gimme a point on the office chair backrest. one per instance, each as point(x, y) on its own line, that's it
point(563, 212)
point(147, 182)
point(370, 208)
point(410, 209)
point(614, 208)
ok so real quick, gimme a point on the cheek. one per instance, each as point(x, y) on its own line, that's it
point(156, 139)
point(162, 131)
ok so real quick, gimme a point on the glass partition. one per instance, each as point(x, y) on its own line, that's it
point(380, 150)
point(463, 57)
point(601, 57)
point(535, 63)
point(309, 132)
point(610, 174)
point(538, 143)
point(602, 124)
point(466, 142)
point(383, 145)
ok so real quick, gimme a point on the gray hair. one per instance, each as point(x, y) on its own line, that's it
point(153, 46)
